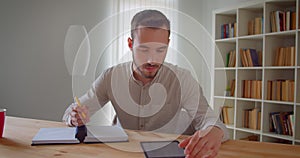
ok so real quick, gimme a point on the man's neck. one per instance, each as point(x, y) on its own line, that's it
point(138, 77)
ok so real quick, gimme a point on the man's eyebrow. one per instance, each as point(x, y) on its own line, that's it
point(143, 46)
point(163, 47)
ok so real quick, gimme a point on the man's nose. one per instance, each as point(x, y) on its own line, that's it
point(153, 57)
point(150, 58)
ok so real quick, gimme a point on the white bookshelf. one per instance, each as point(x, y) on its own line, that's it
point(267, 42)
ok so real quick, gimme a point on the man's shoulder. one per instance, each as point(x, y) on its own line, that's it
point(167, 67)
point(170, 72)
point(122, 67)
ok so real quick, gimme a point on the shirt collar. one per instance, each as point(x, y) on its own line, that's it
point(140, 82)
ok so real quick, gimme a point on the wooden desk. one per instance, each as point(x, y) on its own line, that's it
point(19, 132)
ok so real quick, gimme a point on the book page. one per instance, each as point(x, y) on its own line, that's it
point(55, 136)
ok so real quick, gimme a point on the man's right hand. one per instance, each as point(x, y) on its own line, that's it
point(79, 115)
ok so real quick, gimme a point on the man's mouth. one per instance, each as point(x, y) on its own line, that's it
point(150, 67)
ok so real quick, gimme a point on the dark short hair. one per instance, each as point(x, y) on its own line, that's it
point(151, 19)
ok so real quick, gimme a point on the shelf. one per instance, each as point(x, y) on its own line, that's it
point(224, 97)
point(226, 40)
point(255, 37)
point(230, 126)
point(254, 81)
point(225, 68)
point(249, 99)
point(282, 33)
point(270, 134)
point(279, 102)
point(297, 141)
point(279, 67)
point(249, 68)
point(249, 130)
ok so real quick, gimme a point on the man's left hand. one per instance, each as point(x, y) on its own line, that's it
point(204, 143)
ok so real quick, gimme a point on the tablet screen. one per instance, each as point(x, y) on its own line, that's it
point(162, 149)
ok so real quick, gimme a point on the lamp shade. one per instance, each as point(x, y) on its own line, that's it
point(77, 50)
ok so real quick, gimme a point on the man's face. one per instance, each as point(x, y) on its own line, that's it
point(149, 50)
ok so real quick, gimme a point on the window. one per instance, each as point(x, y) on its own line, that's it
point(126, 9)
point(118, 51)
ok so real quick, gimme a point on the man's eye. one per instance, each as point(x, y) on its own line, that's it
point(160, 50)
point(143, 50)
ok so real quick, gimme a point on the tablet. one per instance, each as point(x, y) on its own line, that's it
point(162, 149)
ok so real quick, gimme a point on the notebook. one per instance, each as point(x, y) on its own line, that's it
point(55, 136)
point(95, 134)
point(105, 134)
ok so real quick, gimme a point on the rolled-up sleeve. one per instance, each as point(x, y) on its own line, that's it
point(95, 98)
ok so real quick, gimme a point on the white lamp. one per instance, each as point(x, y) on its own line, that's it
point(77, 50)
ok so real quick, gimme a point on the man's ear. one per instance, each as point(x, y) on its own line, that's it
point(130, 43)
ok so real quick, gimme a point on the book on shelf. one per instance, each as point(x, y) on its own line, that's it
point(288, 20)
point(280, 90)
point(282, 20)
point(285, 56)
point(255, 26)
point(291, 90)
point(227, 115)
point(252, 118)
point(232, 87)
point(293, 20)
point(228, 30)
point(269, 90)
point(258, 120)
point(281, 123)
point(230, 59)
point(252, 89)
point(243, 58)
point(251, 138)
point(250, 57)
point(66, 135)
point(273, 90)
point(230, 90)
point(246, 118)
point(292, 122)
point(266, 79)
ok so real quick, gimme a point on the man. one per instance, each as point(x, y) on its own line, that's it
point(148, 94)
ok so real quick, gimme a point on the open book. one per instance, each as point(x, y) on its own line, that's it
point(101, 134)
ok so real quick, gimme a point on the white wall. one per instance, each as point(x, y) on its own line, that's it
point(202, 10)
point(34, 81)
point(197, 44)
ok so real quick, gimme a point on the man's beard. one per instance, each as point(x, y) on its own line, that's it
point(148, 76)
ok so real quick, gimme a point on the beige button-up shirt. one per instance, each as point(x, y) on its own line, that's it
point(172, 102)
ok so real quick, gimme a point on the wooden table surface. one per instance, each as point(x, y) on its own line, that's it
point(19, 132)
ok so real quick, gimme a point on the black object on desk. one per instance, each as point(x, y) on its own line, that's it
point(81, 133)
point(162, 149)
